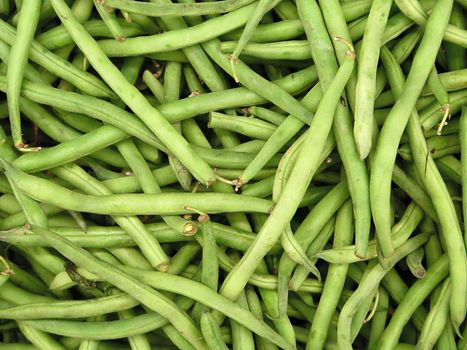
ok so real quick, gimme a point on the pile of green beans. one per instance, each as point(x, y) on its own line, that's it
point(233, 174)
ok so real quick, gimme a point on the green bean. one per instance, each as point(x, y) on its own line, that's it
point(58, 37)
point(15, 295)
point(104, 330)
point(26, 27)
point(172, 81)
point(58, 66)
point(364, 308)
point(8, 152)
point(17, 346)
point(396, 121)
point(366, 288)
point(209, 262)
point(400, 233)
point(355, 9)
point(444, 207)
point(111, 237)
point(38, 338)
point(87, 259)
point(269, 32)
point(463, 168)
point(136, 161)
point(139, 204)
point(180, 38)
point(70, 309)
point(20, 218)
point(441, 95)
point(132, 225)
point(34, 214)
point(451, 81)
point(133, 98)
point(413, 189)
point(193, 82)
point(355, 168)
point(137, 342)
point(194, 9)
point(438, 146)
point(295, 252)
point(430, 115)
point(88, 344)
point(334, 282)
point(294, 189)
point(242, 337)
point(254, 305)
point(378, 322)
point(252, 146)
point(73, 149)
point(436, 319)
point(110, 21)
point(211, 332)
point(91, 106)
point(414, 263)
point(336, 26)
point(262, 7)
point(251, 127)
point(154, 85)
point(366, 82)
point(412, 299)
point(357, 27)
point(5, 7)
point(183, 258)
point(462, 342)
point(290, 50)
point(456, 53)
point(148, 296)
point(286, 10)
point(406, 45)
point(267, 115)
point(26, 280)
point(237, 97)
point(318, 244)
point(197, 57)
point(241, 72)
point(165, 176)
point(413, 10)
point(204, 295)
point(316, 222)
point(30, 72)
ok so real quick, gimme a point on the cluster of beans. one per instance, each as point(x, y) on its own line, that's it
point(233, 174)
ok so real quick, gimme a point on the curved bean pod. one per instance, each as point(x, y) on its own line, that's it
point(391, 132)
point(367, 67)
